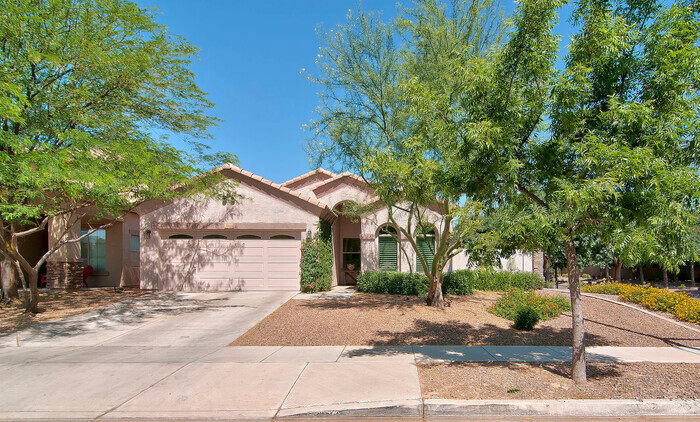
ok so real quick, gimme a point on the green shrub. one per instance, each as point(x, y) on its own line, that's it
point(391, 282)
point(526, 318)
point(547, 307)
point(316, 272)
point(682, 287)
point(459, 282)
point(489, 279)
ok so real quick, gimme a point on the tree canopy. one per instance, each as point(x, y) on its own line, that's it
point(87, 86)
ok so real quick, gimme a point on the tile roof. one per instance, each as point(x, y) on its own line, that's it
point(282, 188)
point(307, 175)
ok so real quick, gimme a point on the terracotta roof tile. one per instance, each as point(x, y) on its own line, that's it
point(307, 175)
point(261, 179)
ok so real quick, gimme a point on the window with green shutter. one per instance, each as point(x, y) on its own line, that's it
point(388, 249)
point(425, 244)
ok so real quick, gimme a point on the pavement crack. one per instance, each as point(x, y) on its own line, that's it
point(290, 391)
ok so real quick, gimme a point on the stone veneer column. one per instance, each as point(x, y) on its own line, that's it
point(538, 263)
point(64, 275)
point(64, 268)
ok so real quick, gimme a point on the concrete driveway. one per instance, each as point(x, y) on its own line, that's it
point(89, 365)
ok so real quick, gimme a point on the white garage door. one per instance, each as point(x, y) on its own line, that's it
point(264, 263)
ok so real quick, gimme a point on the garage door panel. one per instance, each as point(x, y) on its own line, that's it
point(246, 250)
point(214, 266)
point(291, 267)
point(281, 251)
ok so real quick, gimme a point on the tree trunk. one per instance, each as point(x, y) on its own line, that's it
point(8, 280)
point(618, 270)
point(547, 274)
point(607, 272)
point(692, 274)
point(675, 277)
point(665, 277)
point(578, 358)
point(641, 275)
point(556, 277)
point(435, 293)
point(31, 301)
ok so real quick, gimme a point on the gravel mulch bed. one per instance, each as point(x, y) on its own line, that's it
point(539, 381)
point(56, 304)
point(373, 319)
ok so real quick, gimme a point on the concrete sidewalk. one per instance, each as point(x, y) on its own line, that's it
point(166, 356)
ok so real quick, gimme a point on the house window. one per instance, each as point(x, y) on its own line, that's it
point(248, 236)
point(388, 249)
point(93, 249)
point(425, 243)
point(281, 236)
point(180, 236)
point(351, 254)
point(135, 250)
point(214, 236)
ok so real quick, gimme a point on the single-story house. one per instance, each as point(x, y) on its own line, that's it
point(253, 244)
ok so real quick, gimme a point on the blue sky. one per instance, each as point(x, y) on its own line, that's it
point(251, 55)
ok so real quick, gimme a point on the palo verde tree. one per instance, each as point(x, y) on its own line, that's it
point(85, 84)
point(371, 94)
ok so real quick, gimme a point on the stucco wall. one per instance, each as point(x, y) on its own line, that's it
point(341, 191)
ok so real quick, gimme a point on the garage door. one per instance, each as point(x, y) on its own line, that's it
point(244, 262)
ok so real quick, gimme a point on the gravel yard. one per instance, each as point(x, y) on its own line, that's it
point(55, 304)
point(373, 319)
point(539, 381)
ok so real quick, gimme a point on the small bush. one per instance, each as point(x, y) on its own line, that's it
point(525, 319)
point(391, 282)
point(547, 307)
point(682, 287)
point(316, 272)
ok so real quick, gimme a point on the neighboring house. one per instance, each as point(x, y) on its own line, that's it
point(255, 243)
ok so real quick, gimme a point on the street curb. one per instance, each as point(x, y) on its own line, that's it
point(378, 409)
point(562, 408)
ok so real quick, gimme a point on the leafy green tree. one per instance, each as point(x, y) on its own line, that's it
point(609, 142)
point(86, 84)
point(372, 92)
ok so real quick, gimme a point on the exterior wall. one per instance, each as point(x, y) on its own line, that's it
point(370, 225)
point(130, 267)
point(260, 207)
point(340, 192)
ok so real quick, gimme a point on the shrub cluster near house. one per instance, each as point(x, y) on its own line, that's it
point(460, 282)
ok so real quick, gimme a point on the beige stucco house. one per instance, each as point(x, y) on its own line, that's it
point(255, 243)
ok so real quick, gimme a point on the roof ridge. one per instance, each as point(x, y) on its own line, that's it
point(308, 174)
point(284, 189)
point(338, 177)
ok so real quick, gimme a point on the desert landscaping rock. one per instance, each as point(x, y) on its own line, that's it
point(372, 319)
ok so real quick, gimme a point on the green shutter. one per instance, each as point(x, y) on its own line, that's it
point(425, 246)
point(387, 253)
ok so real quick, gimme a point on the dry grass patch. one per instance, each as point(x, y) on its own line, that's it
point(56, 304)
point(375, 319)
point(542, 381)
